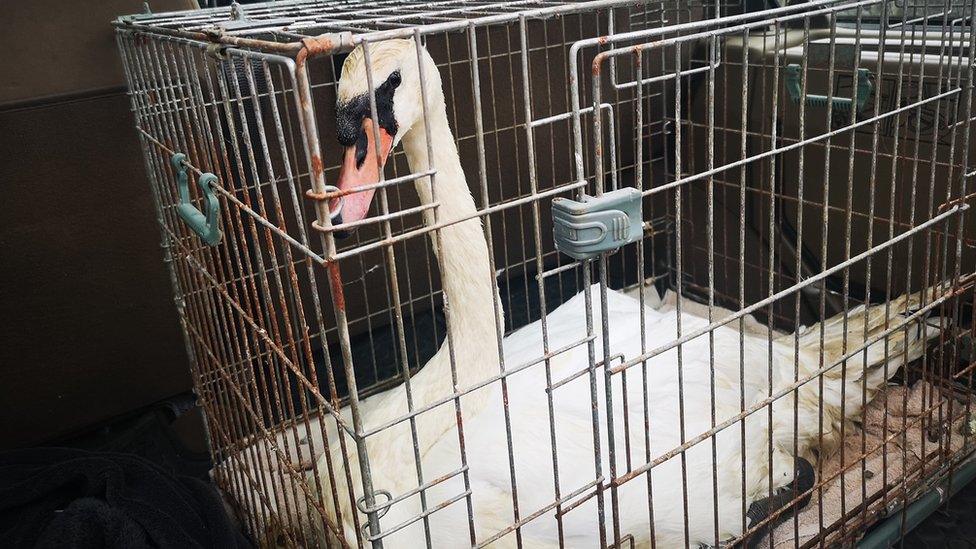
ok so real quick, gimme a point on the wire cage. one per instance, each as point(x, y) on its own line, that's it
point(634, 273)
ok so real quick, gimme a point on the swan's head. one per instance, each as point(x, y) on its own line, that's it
point(395, 68)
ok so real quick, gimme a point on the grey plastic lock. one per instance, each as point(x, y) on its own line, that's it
point(585, 229)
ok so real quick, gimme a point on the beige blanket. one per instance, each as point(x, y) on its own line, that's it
point(910, 440)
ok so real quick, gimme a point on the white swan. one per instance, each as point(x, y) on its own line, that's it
point(466, 277)
point(463, 259)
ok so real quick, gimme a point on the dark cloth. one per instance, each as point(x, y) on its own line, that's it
point(804, 477)
point(64, 497)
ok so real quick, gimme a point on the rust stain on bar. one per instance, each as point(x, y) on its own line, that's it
point(318, 45)
point(956, 201)
point(317, 167)
point(335, 280)
point(329, 195)
point(321, 45)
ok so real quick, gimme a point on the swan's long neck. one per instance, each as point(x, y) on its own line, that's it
point(467, 280)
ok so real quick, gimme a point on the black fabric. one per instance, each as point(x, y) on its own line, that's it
point(804, 478)
point(64, 497)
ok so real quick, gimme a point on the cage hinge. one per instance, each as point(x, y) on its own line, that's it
point(597, 224)
point(217, 51)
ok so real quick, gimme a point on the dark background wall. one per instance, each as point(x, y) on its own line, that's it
point(89, 330)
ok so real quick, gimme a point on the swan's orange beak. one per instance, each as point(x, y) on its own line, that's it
point(354, 174)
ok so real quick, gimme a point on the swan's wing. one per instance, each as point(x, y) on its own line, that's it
point(566, 325)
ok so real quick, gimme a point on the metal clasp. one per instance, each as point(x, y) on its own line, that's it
point(205, 224)
point(584, 229)
point(379, 509)
point(328, 194)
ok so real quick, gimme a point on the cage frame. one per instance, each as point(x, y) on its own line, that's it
point(292, 57)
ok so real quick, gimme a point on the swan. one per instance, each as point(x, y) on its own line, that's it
point(475, 492)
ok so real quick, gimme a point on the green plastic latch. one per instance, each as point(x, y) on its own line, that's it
point(206, 226)
point(865, 86)
point(584, 229)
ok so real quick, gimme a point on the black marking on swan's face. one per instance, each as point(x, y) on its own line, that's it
point(350, 116)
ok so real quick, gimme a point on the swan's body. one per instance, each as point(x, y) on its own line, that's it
point(473, 317)
point(486, 441)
